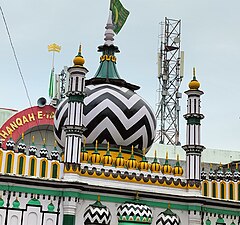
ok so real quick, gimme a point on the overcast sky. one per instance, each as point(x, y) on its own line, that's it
point(210, 39)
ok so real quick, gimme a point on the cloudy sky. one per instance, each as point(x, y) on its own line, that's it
point(210, 39)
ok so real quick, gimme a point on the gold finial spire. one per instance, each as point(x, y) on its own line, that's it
point(137, 195)
point(166, 154)
point(169, 205)
point(33, 139)
point(236, 165)
point(84, 142)
point(44, 141)
point(178, 157)
point(108, 146)
point(144, 151)
point(132, 149)
point(98, 198)
point(96, 144)
point(10, 134)
point(120, 148)
point(22, 136)
point(228, 165)
point(80, 49)
point(210, 165)
point(55, 144)
point(194, 84)
point(220, 165)
point(79, 60)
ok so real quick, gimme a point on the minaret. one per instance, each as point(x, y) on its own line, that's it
point(193, 145)
point(74, 128)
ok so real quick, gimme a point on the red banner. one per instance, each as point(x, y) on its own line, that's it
point(25, 120)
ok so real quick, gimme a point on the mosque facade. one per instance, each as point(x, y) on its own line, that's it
point(97, 172)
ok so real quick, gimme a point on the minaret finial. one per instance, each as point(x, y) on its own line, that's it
point(33, 139)
point(109, 33)
point(22, 136)
point(144, 151)
point(194, 73)
point(80, 49)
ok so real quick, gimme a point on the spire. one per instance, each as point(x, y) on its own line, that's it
point(79, 60)
point(194, 84)
point(109, 33)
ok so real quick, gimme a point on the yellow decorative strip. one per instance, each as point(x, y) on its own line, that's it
point(108, 58)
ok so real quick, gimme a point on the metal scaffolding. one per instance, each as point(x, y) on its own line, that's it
point(170, 75)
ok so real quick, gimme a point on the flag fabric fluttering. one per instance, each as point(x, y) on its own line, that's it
point(119, 15)
point(51, 84)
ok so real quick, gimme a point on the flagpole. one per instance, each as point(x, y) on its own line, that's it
point(52, 48)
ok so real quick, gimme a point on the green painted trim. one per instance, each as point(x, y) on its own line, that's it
point(220, 211)
point(114, 199)
point(68, 220)
point(76, 98)
point(193, 120)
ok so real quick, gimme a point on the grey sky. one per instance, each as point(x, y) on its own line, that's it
point(210, 39)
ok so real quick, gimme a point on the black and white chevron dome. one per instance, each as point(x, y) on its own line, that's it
point(114, 114)
point(167, 218)
point(97, 214)
point(134, 212)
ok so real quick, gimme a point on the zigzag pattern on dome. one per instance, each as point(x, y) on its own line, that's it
point(167, 220)
point(97, 215)
point(134, 212)
point(113, 112)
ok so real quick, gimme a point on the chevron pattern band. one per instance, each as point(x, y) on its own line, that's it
point(167, 219)
point(134, 212)
point(114, 114)
point(97, 215)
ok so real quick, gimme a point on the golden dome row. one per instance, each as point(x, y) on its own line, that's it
point(131, 163)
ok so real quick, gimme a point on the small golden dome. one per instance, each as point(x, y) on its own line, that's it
point(166, 168)
point(107, 158)
point(143, 165)
point(96, 157)
point(155, 166)
point(194, 84)
point(84, 154)
point(177, 170)
point(120, 162)
point(79, 60)
point(132, 162)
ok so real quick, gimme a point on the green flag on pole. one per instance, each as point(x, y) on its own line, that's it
point(119, 15)
point(51, 84)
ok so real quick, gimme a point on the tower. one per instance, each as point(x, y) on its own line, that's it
point(170, 74)
point(193, 116)
point(75, 95)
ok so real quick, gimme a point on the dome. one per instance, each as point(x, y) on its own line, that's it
point(203, 174)
point(167, 217)
point(228, 174)
point(112, 114)
point(10, 144)
point(97, 214)
point(134, 212)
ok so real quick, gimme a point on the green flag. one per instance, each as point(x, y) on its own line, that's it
point(119, 15)
point(51, 84)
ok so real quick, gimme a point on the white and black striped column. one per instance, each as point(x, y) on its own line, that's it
point(74, 127)
point(193, 145)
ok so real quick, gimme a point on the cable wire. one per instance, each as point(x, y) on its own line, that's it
point(18, 65)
